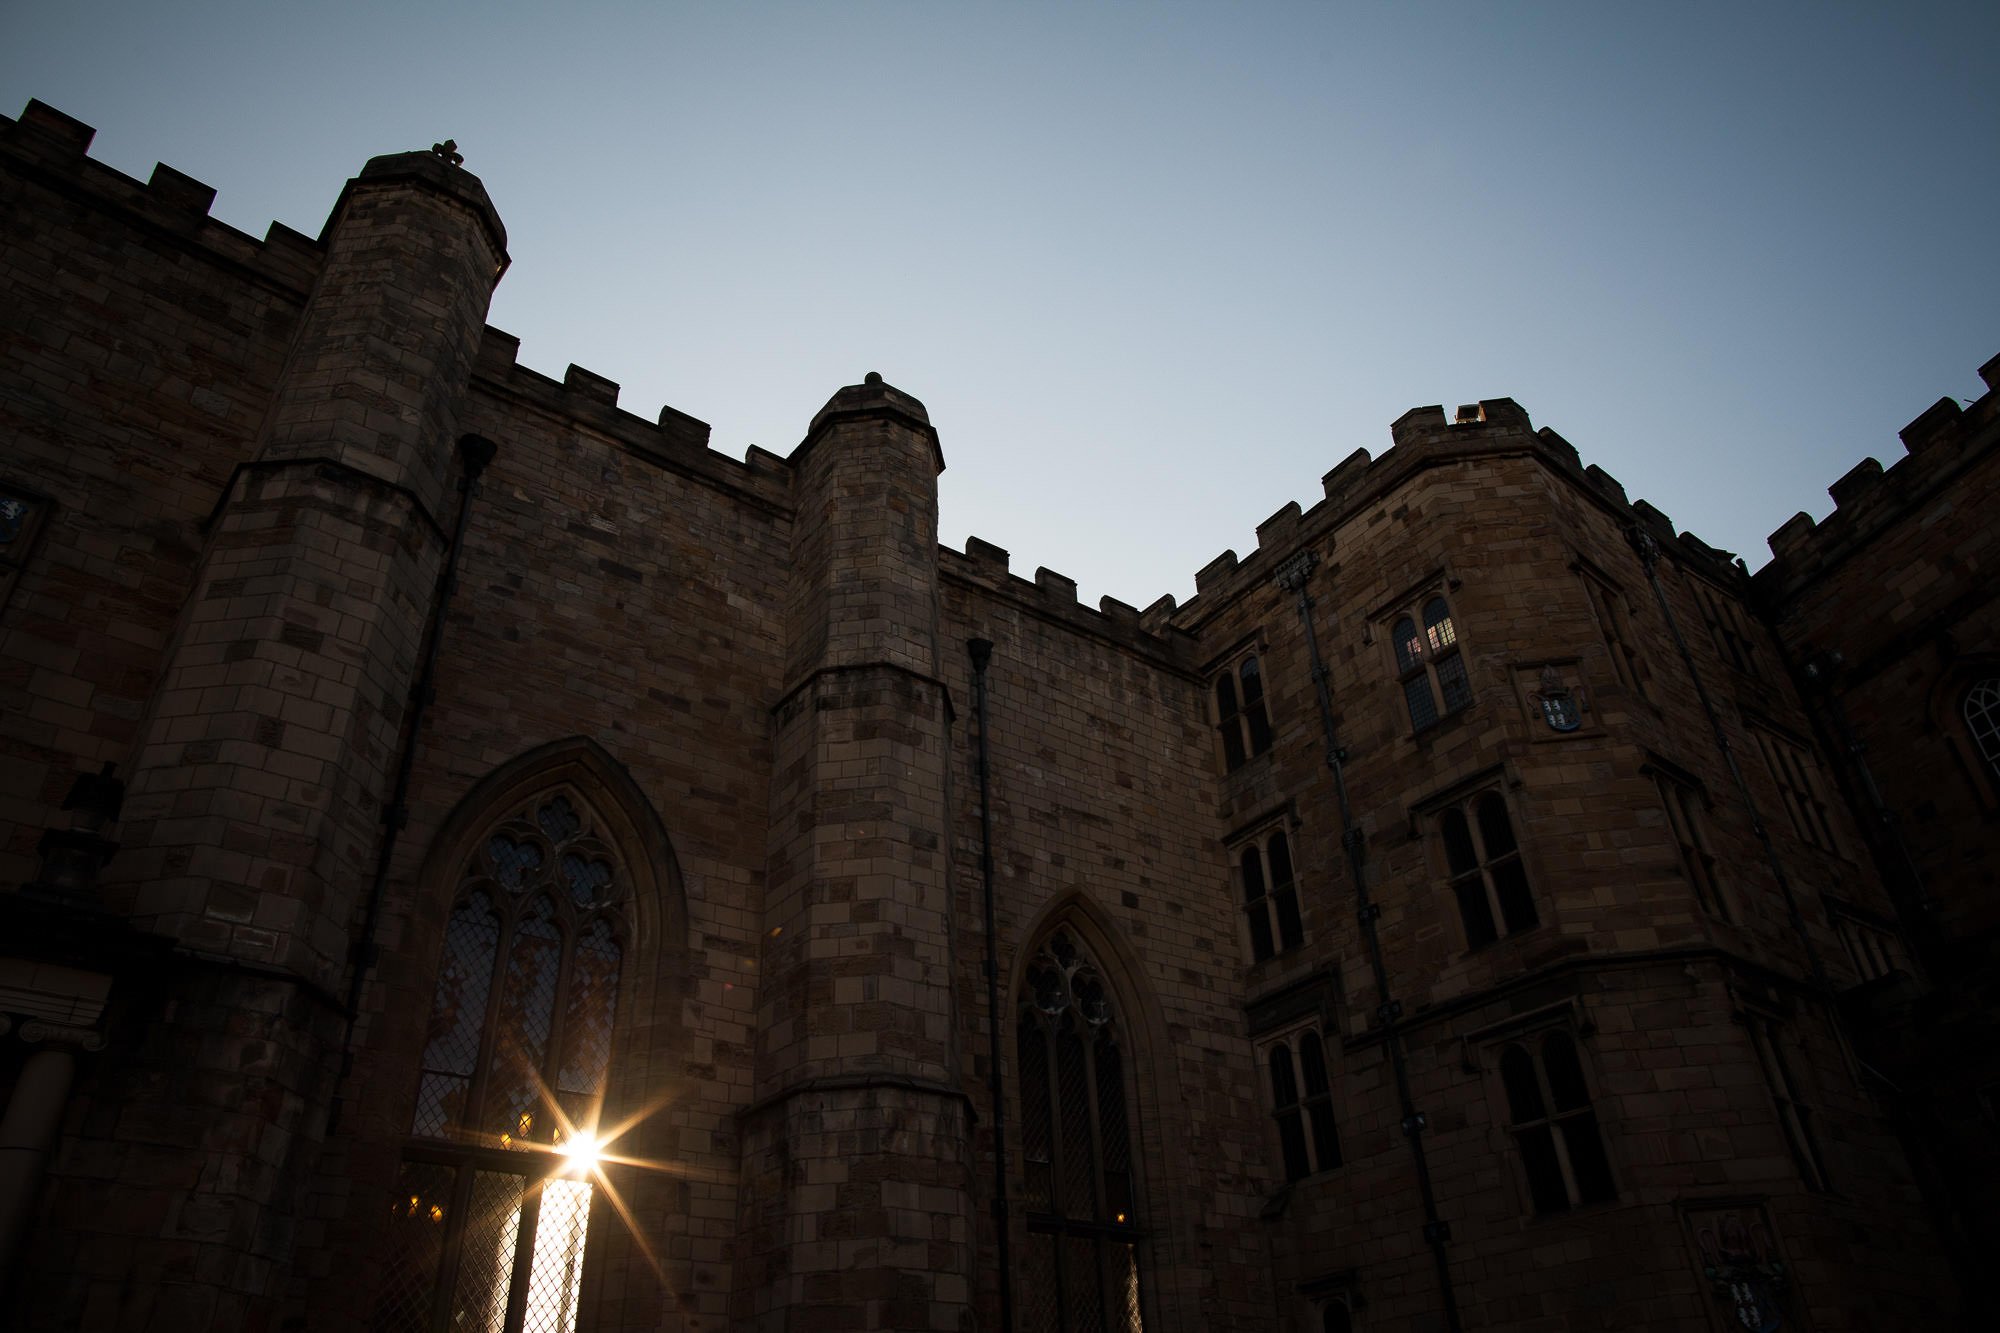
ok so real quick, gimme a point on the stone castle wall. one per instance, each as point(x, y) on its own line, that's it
point(753, 677)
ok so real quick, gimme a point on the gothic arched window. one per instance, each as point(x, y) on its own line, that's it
point(1082, 1263)
point(488, 1226)
point(1982, 719)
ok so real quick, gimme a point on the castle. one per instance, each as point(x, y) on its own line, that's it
point(471, 857)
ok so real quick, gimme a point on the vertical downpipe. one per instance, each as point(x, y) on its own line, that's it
point(981, 651)
point(1292, 576)
point(474, 453)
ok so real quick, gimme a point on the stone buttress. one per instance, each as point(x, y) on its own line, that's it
point(855, 1193)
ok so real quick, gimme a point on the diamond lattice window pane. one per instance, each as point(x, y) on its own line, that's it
point(419, 1216)
point(593, 1001)
point(486, 1258)
point(555, 1280)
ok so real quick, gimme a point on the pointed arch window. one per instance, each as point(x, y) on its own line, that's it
point(1982, 720)
point(1081, 1268)
point(487, 1225)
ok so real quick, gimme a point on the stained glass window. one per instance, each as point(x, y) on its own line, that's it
point(486, 1232)
point(1081, 1270)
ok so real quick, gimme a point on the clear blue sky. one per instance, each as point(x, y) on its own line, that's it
point(1155, 268)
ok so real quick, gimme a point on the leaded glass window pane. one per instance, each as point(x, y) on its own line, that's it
point(420, 1213)
point(1437, 625)
point(1451, 680)
point(518, 1048)
point(1982, 719)
point(458, 1017)
point(1423, 708)
point(1409, 648)
point(486, 1259)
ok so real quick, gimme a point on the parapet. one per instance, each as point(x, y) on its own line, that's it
point(1423, 437)
point(675, 440)
point(1945, 438)
point(51, 148)
point(1052, 597)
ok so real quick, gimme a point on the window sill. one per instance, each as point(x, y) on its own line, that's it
point(1537, 931)
point(1449, 722)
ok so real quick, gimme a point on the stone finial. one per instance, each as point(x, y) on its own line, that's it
point(448, 150)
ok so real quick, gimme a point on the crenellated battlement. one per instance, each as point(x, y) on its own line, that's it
point(1941, 443)
point(1424, 438)
point(53, 148)
point(589, 399)
point(1052, 596)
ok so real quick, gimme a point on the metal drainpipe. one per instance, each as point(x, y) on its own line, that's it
point(1292, 576)
point(474, 453)
point(981, 651)
point(1649, 557)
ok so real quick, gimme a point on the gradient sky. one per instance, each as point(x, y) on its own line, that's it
point(1155, 268)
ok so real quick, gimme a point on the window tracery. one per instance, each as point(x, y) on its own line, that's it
point(1081, 1267)
point(1982, 720)
point(483, 1235)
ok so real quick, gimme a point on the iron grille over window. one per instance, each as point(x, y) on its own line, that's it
point(1982, 720)
point(485, 1230)
point(1487, 876)
point(1554, 1127)
point(1430, 666)
point(1270, 897)
point(1302, 1103)
point(1241, 718)
point(1081, 1268)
